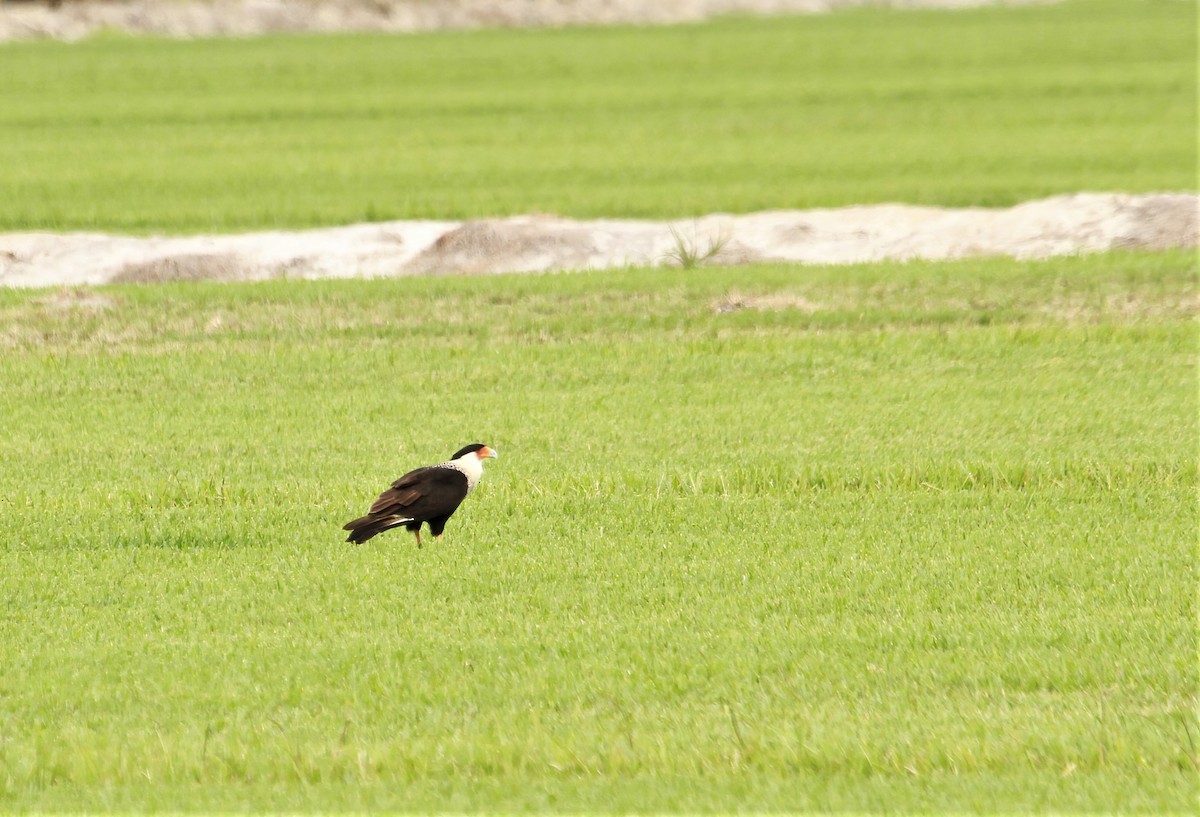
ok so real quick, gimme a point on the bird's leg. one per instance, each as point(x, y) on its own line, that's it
point(418, 533)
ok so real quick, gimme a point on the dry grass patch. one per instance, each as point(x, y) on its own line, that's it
point(77, 298)
point(1126, 307)
point(775, 302)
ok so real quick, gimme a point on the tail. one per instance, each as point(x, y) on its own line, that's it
point(365, 527)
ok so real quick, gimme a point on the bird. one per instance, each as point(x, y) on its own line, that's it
point(431, 494)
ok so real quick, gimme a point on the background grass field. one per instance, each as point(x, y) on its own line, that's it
point(976, 107)
point(890, 537)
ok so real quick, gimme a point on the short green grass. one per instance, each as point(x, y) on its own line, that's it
point(889, 537)
point(977, 107)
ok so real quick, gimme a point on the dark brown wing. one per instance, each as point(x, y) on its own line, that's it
point(423, 494)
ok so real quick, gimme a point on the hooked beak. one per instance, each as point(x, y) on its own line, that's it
point(489, 453)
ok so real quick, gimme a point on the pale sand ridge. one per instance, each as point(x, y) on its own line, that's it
point(244, 18)
point(1061, 225)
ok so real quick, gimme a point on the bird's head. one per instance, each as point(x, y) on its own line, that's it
point(478, 450)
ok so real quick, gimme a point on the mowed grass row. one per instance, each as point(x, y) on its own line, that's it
point(899, 537)
point(975, 107)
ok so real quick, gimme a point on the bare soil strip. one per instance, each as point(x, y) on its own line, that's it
point(1062, 225)
point(213, 18)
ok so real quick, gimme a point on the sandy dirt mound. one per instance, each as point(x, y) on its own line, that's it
point(207, 18)
point(1062, 225)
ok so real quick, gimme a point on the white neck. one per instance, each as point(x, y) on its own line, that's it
point(470, 465)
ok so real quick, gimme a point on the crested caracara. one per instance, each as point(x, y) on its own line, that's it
point(431, 494)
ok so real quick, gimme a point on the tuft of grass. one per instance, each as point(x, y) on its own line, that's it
point(927, 546)
point(688, 252)
point(977, 107)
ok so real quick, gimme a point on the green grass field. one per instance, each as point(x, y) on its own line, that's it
point(890, 537)
point(896, 537)
point(982, 107)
